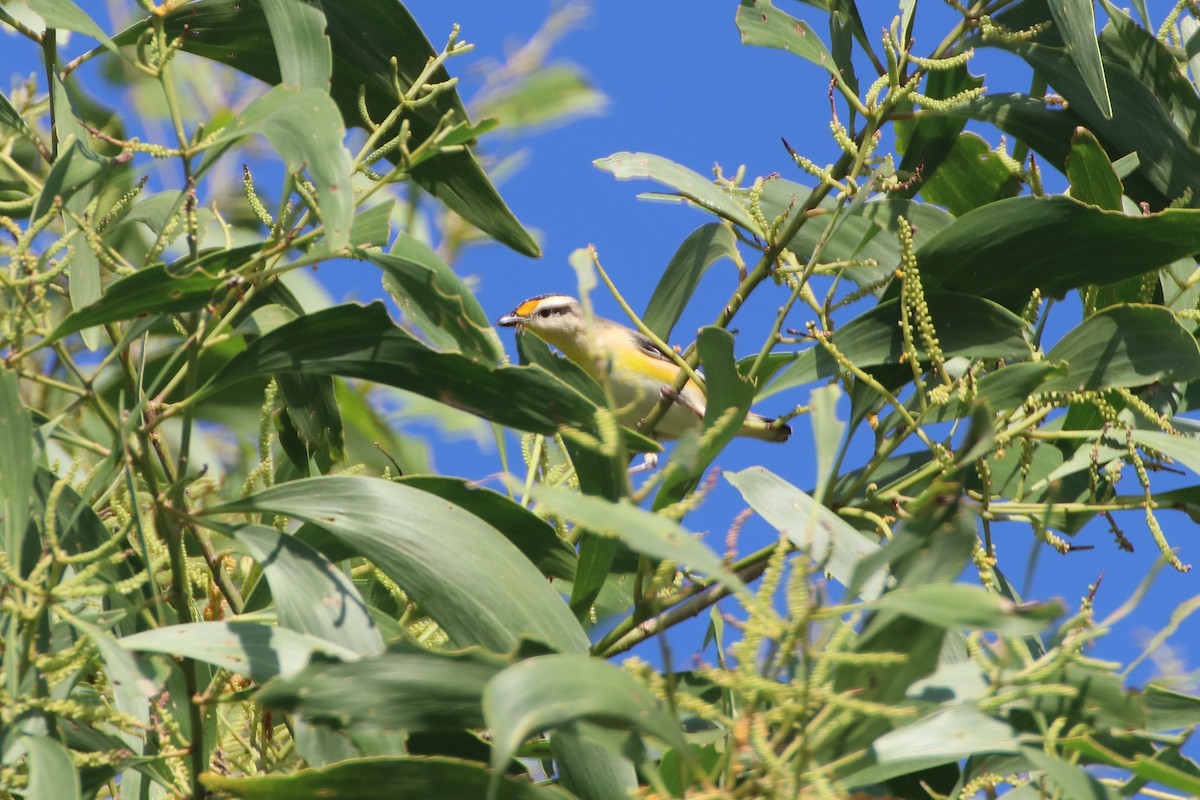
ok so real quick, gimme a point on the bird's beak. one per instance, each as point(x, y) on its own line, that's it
point(511, 320)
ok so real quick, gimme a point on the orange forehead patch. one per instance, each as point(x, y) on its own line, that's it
point(527, 308)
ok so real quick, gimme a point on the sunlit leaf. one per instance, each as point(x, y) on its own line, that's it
point(700, 250)
point(301, 42)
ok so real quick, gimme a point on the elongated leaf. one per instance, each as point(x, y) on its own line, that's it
point(1124, 346)
point(382, 779)
point(766, 26)
point(68, 16)
point(254, 649)
point(362, 342)
point(1006, 249)
point(304, 126)
point(445, 558)
point(821, 534)
point(1076, 21)
point(729, 397)
point(547, 692)
point(364, 36)
point(969, 175)
point(1091, 174)
point(436, 300)
point(532, 535)
point(311, 595)
point(590, 771)
point(695, 188)
point(927, 140)
point(52, 774)
point(12, 118)
point(700, 250)
point(643, 532)
point(966, 326)
point(301, 43)
point(76, 167)
point(16, 454)
point(403, 688)
point(1070, 779)
point(958, 606)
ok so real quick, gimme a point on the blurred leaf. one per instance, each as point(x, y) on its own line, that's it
point(827, 434)
point(76, 167)
point(553, 93)
point(12, 118)
point(303, 125)
point(382, 779)
point(1125, 346)
point(311, 595)
point(700, 250)
point(533, 536)
point(642, 531)
point(403, 688)
point(362, 342)
point(300, 42)
point(1091, 174)
point(1071, 780)
point(547, 692)
point(452, 575)
point(372, 226)
point(764, 25)
point(364, 36)
point(967, 326)
point(821, 534)
point(1006, 249)
point(68, 16)
point(16, 454)
point(155, 210)
point(958, 606)
point(729, 396)
point(254, 649)
point(1076, 22)
point(430, 295)
point(312, 409)
point(692, 186)
point(589, 771)
point(52, 774)
point(968, 176)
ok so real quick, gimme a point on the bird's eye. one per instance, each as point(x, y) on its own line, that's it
point(545, 312)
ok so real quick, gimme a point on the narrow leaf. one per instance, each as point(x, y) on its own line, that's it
point(16, 454)
point(1091, 174)
point(1076, 22)
point(301, 43)
point(52, 774)
point(700, 250)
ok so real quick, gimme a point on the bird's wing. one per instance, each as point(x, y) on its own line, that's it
point(643, 343)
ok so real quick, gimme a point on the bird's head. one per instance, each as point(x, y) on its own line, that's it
point(555, 318)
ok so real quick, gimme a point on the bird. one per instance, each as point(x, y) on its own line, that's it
point(639, 372)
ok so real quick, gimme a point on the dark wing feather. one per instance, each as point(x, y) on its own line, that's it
point(643, 343)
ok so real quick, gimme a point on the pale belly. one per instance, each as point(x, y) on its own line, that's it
point(636, 395)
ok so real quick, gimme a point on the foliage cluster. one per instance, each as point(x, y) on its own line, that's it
point(222, 572)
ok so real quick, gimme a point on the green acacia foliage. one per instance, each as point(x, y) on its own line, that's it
point(221, 572)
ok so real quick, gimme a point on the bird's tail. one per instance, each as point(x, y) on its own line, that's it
point(768, 430)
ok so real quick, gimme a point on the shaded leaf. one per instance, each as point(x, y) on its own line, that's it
point(433, 297)
point(1091, 174)
point(445, 558)
point(958, 606)
point(16, 454)
point(382, 779)
point(547, 692)
point(52, 774)
point(968, 176)
point(75, 168)
point(1076, 22)
point(700, 250)
point(254, 649)
point(1125, 346)
point(300, 42)
point(927, 140)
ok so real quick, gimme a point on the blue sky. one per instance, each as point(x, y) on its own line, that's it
point(681, 85)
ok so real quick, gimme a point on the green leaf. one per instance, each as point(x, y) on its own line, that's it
point(254, 649)
point(16, 454)
point(1012, 385)
point(1071, 780)
point(1005, 250)
point(406, 687)
point(1076, 22)
point(553, 93)
point(958, 606)
point(364, 36)
point(76, 167)
point(827, 434)
point(816, 530)
point(312, 411)
point(590, 771)
point(548, 692)
point(729, 397)
point(700, 250)
point(12, 118)
point(532, 535)
point(764, 25)
point(303, 125)
point(642, 531)
point(446, 559)
point(382, 779)
point(434, 298)
point(968, 176)
point(52, 774)
point(301, 43)
point(1091, 174)
point(1125, 346)
point(68, 16)
point(362, 342)
point(926, 141)
point(311, 595)
point(690, 185)
point(372, 227)
point(966, 326)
